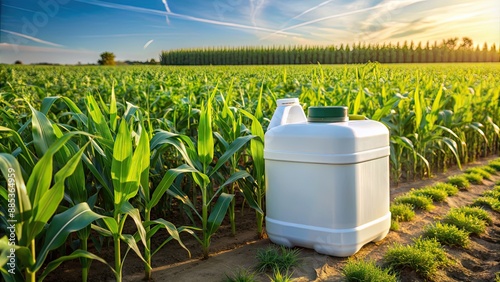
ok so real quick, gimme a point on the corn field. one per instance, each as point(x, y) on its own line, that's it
point(359, 53)
point(85, 150)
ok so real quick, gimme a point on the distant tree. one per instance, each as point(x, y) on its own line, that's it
point(450, 43)
point(466, 43)
point(107, 59)
point(18, 62)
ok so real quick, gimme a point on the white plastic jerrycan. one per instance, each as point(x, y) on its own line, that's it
point(288, 111)
point(327, 179)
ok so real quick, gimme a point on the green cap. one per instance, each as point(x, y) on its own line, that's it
point(327, 114)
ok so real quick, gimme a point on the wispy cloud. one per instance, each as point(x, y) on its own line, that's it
point(435, 23)
point(166, 9)
point(38, 40)
point(118, 35)
point(312, 9)
point(18, 8)
point(255, 8)
point(320, 20)
point(181, 16)
point(148, 43)
point(38, 49)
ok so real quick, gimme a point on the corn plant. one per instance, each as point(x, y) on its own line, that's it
point(230, 127)
point(127, 168)
point(35, 213)
point(150, 201)
point(258, 170)
point(200, 158)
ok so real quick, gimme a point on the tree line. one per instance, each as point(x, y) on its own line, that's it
point(448, 51)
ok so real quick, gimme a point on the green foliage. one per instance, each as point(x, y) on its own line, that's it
point(424, 256)
point(485, 201)
point(466, 222)
point(107, 59)
point(450, 189)
point(459, 181)
point(435, 194)
point(480, 171)
point(241, 275)
point(278, 276)
point(277, 259)
point(394, 225)
point(417, 202)
point(354, 54)
point(447, 234)
point(359, 270)
point(495, 164)
point(475, 212)
point(184, 153)
point(402, 212)
point(474, 178)
point(489, 169)
point(36, 208)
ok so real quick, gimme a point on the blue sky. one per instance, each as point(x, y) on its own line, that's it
point(72, 31)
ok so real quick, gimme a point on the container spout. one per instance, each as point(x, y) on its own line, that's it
point(288, 111)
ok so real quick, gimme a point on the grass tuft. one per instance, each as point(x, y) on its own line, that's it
point(465, 222)
point(489, 199)
point(274, 258)
point(436, 195)
point(459, 181)
point(402, 212)
point(425, 256)
point(490, 202)
point(278, 276)
point(495, 164)
point(359, 270)
point(417, 202)
point(449, 188)
point(394, 225)
point(241, 275)
point(447, 234)
point(477, 213)
point(489, 169)
point(480, 171)
point(474, 178)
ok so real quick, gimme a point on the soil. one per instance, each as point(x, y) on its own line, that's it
point(479, 262)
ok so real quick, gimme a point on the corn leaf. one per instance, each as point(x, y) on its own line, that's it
point(433, 116)
point(19, 141)
point(98, 118)
point(11, 170)
point(231, 150)
point(453, 148)
point(166, 183)
point(121, 164)
point(112, 109)
point(47, 103)
point(177, 193)
point(134, 213)
point(130, 240)
point(111, 224)
point(205, 136)
point(78, 254)
point(71, 220)
point(43, 133)
point(171, 229)
point(418, 107)
point(218, 213)
point(46, 206)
